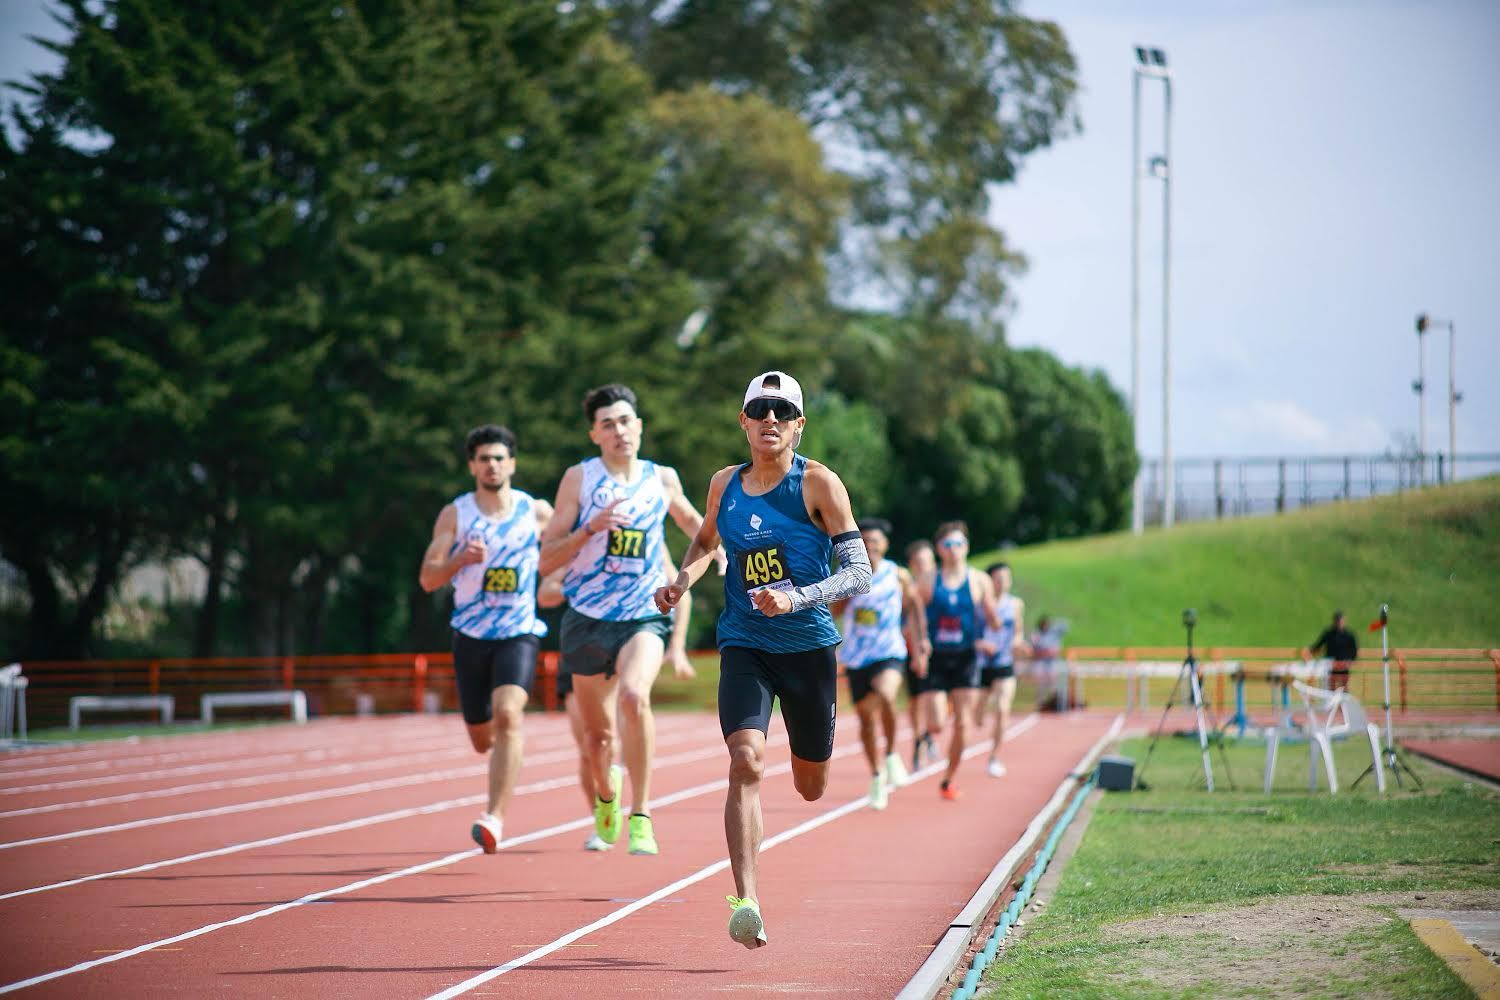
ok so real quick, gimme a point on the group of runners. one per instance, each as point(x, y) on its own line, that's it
point(773, 527)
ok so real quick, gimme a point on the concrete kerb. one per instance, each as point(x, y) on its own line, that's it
point(953, 947)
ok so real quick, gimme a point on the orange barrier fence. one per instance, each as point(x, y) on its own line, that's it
point(334, 685)
point(1422, 680)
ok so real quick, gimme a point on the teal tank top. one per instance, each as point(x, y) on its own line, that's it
point(771, 542)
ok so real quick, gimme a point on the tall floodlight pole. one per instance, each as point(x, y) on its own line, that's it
point(1424, 323)
point(1169, 478)
point(1151, 62)
point(1419, 386)
point(1138, 498)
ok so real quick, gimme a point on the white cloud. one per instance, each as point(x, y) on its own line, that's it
point(1285, 425)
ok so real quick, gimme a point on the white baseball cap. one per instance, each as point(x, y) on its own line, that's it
point(782, 386)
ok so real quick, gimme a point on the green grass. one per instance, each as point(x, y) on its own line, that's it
point(127, 731)
point(1154, 856)
point(1433, 555)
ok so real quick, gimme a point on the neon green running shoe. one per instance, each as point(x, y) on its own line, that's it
point(607, 814)
point(745, 924)
point(642, 835)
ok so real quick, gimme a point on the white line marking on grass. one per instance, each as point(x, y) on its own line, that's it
point(808, 826)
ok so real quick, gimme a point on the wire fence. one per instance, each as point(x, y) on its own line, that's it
point(1209, 488)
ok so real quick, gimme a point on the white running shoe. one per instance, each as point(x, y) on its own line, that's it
point(895, 771)
point(997, 769)
point(596, 843)
point(486, 833)
point(878, 795)
point(746, 925)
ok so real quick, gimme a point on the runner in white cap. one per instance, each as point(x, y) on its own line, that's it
point(782, 518)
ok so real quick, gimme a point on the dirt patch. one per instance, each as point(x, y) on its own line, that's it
point(1290, 946)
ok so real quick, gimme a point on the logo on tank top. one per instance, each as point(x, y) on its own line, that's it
point(755, 522)
point(732, 503)
point(607, 494)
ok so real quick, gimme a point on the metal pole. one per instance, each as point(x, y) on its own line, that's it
point(1168, 472)
point(1421, 387)
point(1138, 499)
point(1452, 409)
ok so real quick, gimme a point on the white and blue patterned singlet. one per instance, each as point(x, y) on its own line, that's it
point(872, 621)
point(615, 575)
point(1003, 637)
point(496, 599)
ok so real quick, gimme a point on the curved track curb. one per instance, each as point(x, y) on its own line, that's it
point(937, 971)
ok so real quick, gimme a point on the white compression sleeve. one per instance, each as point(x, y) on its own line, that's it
point(852, 578)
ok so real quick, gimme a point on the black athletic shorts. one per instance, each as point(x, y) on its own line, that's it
point(915, 685)
point(482, 665)
point(590, 645)
point(564, 686)
point(860, 677)
point(952, 669)
point(995, 672)
point(806, 683)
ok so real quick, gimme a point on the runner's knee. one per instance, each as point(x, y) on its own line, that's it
point(746, 764)
point(634, 704)
point(811, 784)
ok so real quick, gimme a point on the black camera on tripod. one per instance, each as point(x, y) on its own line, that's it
point(1189, 617)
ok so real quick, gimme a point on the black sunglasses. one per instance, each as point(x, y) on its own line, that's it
point(757, 409)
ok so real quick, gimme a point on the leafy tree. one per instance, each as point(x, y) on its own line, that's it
point(930, 102)
point(1075, 447)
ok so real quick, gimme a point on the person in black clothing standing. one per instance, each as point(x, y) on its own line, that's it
point(1339, 645)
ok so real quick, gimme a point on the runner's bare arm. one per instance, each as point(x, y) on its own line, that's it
point(438, 566)
point(682, 665)
point(985, 597)
point(828, 505)
point(700, 550)
point(914, 611)
point(561, 541)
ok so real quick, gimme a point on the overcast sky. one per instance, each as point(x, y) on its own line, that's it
point(1336, 171)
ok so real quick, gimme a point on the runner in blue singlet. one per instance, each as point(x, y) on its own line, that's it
point(959, 602)
point(780, 517)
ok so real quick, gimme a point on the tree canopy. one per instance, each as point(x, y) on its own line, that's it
point(265, 266)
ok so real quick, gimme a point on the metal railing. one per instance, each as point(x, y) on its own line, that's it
point(1208, 488)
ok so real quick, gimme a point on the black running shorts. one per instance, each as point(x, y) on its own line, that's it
point(482, 665)
point(590, 645)
point(996, 672)
point(860, 677)
point(952, 669)
point(806, 683)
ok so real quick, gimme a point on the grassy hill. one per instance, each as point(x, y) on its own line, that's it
point(1433, 555)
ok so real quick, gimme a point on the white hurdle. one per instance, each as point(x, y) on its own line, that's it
point(240, 699)
point(165, 704)
point(12, 703)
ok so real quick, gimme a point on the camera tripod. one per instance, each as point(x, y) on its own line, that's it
point(1394, 762)
point(1188, 680)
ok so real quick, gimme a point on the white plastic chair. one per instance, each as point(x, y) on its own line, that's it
point(1330, 715)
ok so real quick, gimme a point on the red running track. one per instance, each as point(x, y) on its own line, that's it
point(333, 859)
point(1482, 757)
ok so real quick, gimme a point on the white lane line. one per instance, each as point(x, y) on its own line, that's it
point(237, 763)
point(468, 770)
point(722, 864)
point(249, 781)
point(313, 897)
point(224, 746)
point(354, 824)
